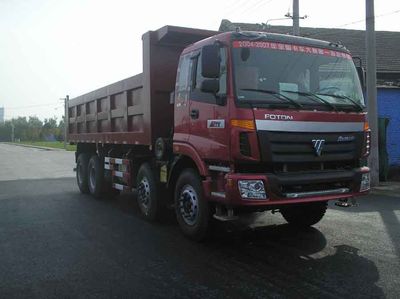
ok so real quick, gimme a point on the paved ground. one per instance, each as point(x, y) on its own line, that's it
point(57, 243)
point(19, 162)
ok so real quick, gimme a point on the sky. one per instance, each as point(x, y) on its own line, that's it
point(49, 48)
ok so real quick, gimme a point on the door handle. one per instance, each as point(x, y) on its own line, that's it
point(194, 113)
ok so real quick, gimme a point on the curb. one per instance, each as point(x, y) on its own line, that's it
point(385, 193)
point(36, 146)
point(387, 189)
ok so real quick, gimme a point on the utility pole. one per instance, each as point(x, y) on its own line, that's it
point(12, 132)
point(296, 18)
point(373, 159)
point(66, 99)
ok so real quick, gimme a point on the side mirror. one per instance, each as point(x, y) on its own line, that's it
point(360, 70)
point(220, 100)
point(210, 86)
point(361, 75)
point(210, 61)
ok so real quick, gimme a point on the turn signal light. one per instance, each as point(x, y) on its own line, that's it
point(367, 143)
point(243, 123)
point(366, 126)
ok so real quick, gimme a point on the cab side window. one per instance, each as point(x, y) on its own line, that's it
point(183, 78)
point(196, 93)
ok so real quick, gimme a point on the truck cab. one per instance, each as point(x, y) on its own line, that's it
point(272, 121)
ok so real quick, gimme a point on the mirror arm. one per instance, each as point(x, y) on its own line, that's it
point(220, 100)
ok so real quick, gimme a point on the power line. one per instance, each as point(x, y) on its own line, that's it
point(354, 22)
point(32, 106)
point(257, 5)
point(243, 8)
point(378, 16)
point(260, 4)
point(235, 6)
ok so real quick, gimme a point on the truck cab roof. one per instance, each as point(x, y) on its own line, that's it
point(226, 37)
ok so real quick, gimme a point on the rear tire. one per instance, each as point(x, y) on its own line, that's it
point(82, 172)
point(148, 193)
point(191, 208)
point(95, 176)
point(304, 215)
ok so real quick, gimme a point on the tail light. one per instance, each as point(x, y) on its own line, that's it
point(367, 140)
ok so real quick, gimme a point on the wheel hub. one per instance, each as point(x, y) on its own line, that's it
point(188, 205)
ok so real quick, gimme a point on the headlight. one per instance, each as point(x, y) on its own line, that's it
point(252, 189)
point(365, 182)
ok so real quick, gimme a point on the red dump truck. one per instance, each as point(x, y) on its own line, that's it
point(221, 124)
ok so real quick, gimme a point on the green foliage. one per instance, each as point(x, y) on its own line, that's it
point(32, 129)
point(5, 131)
point(53, 144)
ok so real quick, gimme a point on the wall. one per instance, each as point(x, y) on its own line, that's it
point(389, 106)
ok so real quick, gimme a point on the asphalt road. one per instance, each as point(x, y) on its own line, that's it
point(57, 243)
point(20, 162)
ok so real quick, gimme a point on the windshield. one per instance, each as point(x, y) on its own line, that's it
point(312, 77)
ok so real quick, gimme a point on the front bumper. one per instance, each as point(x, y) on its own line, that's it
point(292, 188)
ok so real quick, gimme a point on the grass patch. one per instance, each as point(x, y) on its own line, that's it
point(53, 144)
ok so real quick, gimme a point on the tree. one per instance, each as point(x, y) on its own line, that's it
point(21, 128)
point(50, 131)
point(33, 129)
point(61, 125)
point(5, 131)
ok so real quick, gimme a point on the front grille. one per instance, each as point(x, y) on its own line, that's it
point(315, 186)
point(288, 147)
point(307, 182)
point(315, 166)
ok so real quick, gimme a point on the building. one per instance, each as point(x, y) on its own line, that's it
point(387, 65)
point(1, 115)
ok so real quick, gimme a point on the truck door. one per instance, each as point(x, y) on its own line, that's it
point(208, 121)
point(181, 110)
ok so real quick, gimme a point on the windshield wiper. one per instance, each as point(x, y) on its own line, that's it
point(276, 94)
point(314, 97)
point(355, 104)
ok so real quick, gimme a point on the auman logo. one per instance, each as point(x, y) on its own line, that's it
point(345, 138)
point(278, 117)
point(318, 144)
point(216, 123)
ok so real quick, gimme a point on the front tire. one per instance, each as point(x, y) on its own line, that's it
point(191, 208)
point(304, 215)
point(96, 176)
point(82, 172)
point(147, 193)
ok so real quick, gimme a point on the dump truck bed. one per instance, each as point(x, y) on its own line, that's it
point(136, 110)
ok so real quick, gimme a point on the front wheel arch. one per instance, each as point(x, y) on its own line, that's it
point(178, 165)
